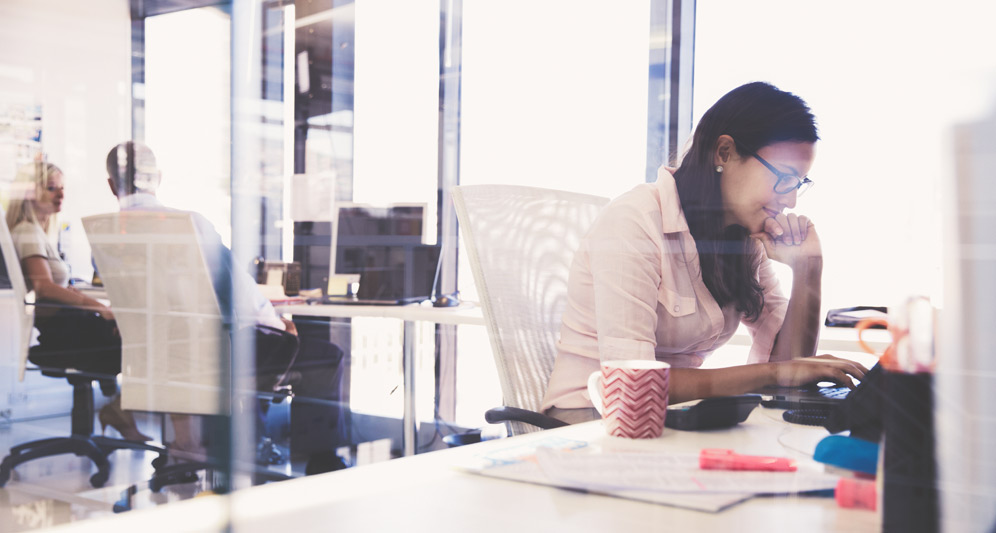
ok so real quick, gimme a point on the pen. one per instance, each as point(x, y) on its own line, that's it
point(723, 459)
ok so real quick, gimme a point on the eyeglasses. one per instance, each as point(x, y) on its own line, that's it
point(786, 182)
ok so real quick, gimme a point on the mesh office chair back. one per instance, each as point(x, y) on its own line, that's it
point(24, 313)
point(521, 242)
point(175, 345)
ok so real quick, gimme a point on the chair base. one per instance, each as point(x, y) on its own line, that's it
point(187, 473)
point(81, 442)
point(74, 444)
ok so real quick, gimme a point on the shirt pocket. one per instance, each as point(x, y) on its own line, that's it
point(675, 303)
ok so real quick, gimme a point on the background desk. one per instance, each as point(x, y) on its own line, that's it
point(464, 314)
point(426, 493)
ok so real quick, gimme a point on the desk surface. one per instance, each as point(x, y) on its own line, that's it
point(426, 492)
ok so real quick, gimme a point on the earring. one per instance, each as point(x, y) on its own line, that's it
point(719, 168)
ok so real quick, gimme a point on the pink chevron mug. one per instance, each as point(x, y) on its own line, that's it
point(631, 396)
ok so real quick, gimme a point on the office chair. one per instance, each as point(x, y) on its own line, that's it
point(176, 343)
point(81, 441)
point(521, 242)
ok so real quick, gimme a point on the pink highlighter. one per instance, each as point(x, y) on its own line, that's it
point(722, 459)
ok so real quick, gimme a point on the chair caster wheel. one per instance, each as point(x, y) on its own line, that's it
point(97, 480)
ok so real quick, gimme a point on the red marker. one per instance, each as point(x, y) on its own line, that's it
point(721, 459)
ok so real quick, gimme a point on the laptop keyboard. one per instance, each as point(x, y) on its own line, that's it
point(835, 392)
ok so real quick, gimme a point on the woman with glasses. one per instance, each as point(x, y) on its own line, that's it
point(671, 269)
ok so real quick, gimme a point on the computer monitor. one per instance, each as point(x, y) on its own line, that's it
point(385, 246)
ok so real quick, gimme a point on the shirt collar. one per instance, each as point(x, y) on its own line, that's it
point(672, 218)
point(139, 199)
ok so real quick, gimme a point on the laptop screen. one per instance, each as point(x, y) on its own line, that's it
point(384, 245)
point(398, 272)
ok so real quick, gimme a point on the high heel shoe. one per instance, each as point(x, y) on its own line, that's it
point(112, 415)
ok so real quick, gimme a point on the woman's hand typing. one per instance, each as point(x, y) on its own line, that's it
point(796, 372)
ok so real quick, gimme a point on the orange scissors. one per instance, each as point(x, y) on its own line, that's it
point(907, 352)
point(886, 358)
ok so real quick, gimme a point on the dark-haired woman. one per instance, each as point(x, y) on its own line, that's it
point(670, 269)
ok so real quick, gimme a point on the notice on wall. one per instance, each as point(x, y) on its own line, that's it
point(20, 138)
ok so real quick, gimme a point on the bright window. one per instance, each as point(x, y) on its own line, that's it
point(885, 89)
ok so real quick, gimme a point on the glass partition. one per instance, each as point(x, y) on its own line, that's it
point(252, 123)
point(204, 150)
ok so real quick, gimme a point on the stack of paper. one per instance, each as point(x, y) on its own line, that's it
point(665, 478)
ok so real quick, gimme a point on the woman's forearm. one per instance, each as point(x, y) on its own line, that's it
point(800, 331)
point(55, 293)
point(52, 292)
point(695, 383)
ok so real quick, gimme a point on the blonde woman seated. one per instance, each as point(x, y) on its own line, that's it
point(75, 330)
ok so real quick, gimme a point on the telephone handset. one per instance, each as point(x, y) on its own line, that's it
point(287, 275)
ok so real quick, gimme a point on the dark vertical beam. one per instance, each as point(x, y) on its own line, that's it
point(682, 75)
point(658, 89)
point(669, 91)
point(272, 146)
point(138, 70)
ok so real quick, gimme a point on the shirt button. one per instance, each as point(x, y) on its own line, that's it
point(677, 308)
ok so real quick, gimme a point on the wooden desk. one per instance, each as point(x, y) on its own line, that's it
point(464, 314)
point(427, 493)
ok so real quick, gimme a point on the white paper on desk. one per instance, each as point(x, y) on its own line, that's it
point(530, 472)
point(663, 472)
point(518, 463)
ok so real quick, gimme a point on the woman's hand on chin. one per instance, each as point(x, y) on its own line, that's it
point(790, 239)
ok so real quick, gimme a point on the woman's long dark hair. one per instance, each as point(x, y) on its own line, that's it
point(755, 115)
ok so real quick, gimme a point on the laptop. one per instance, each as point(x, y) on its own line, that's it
point(389, 275)
point(385, 246)
point(811, 396)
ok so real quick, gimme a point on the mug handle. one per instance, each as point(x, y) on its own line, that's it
point(593, 392)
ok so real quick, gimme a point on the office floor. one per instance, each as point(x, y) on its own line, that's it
point(55, 490)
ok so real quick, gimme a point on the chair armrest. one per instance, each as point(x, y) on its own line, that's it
point(514, 414)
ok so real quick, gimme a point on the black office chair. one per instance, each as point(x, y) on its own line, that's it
point(81, 441)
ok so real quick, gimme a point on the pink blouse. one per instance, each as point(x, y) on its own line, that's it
point(636, 292)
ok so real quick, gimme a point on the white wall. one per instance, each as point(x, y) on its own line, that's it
point(74, 59)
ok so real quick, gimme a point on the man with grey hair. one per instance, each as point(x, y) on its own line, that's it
point(318, 372)
point(134, 177)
